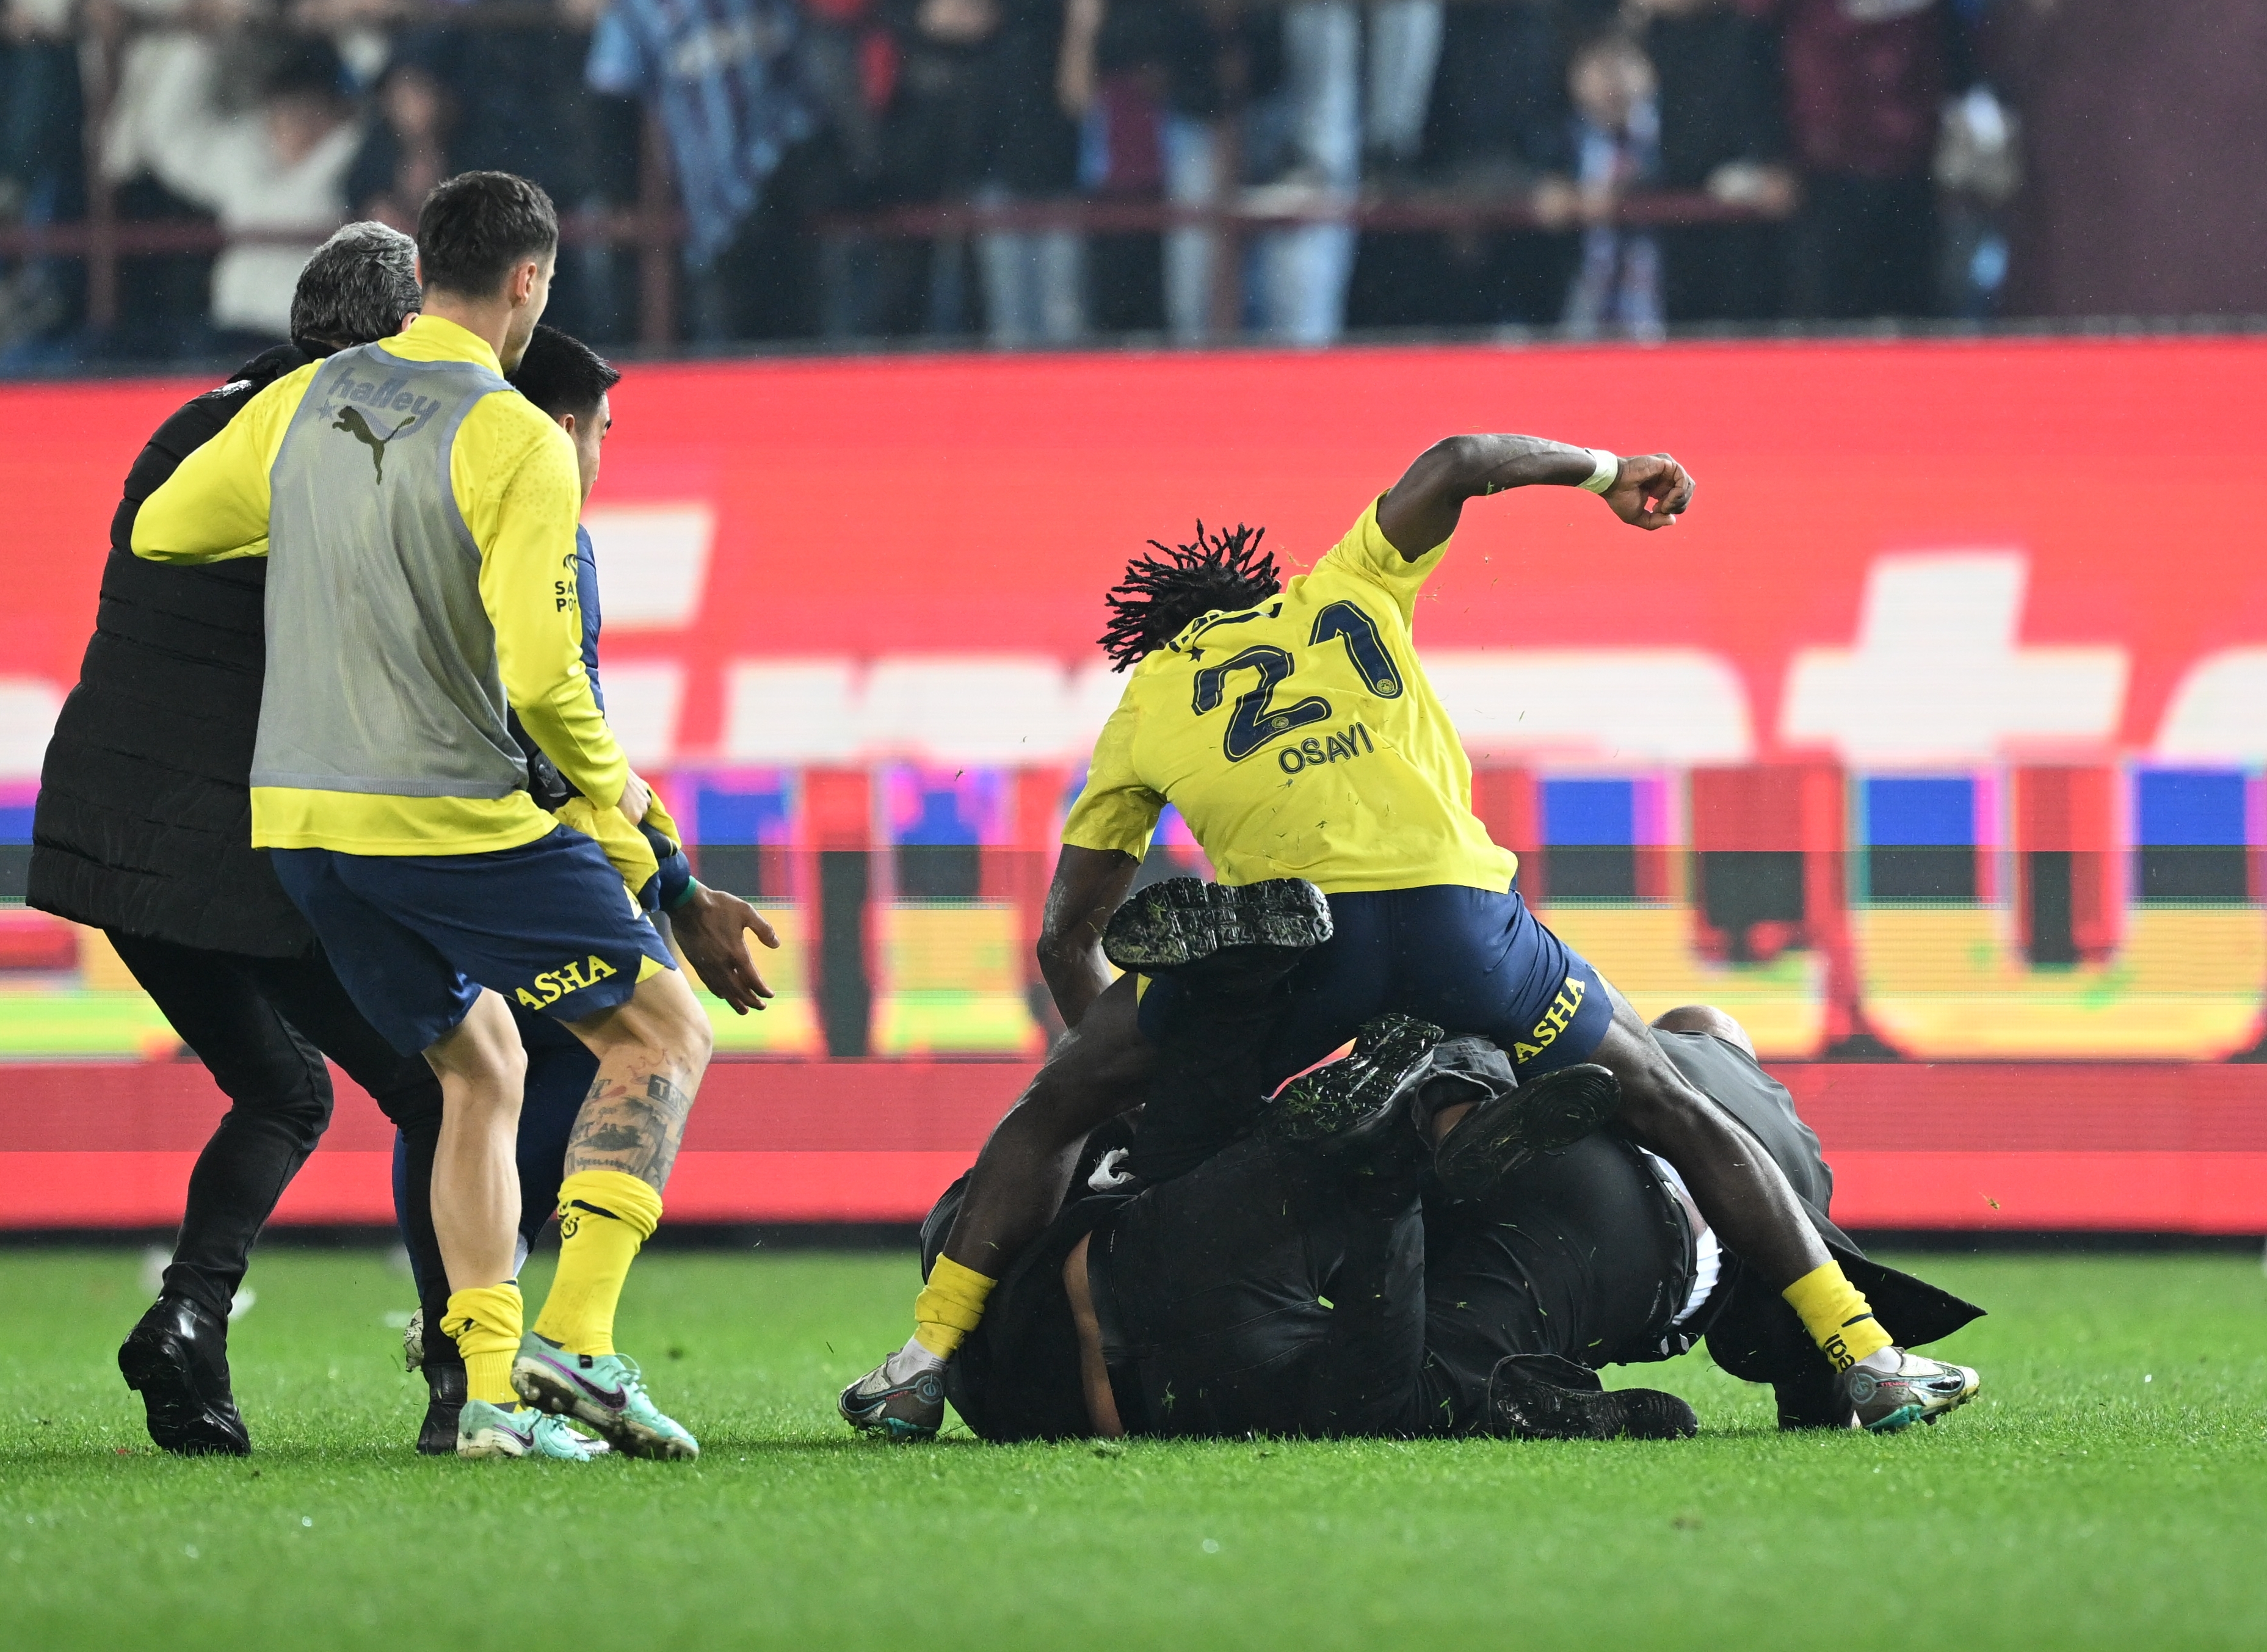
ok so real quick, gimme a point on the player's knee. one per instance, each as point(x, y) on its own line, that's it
point(1705, 1018)
point(666, 1020)
point(1655, 1094)
point(691, 1035)
point(696, 1034)
point(483, 1049)
point(505, 1064)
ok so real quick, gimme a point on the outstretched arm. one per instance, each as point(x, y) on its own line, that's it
point(1648, 491)
point(1089, 884)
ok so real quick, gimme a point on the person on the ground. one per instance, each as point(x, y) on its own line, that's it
point(418, 517)
point(1279, 1289)
point(570, 383)
point(1293, 727)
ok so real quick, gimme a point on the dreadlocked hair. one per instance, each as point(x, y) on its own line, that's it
point(1161, 594)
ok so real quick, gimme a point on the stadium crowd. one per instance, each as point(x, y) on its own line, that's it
point(853, 169)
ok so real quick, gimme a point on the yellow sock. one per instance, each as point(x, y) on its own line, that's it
point(604, 1217)
point(486, 1324)
point(1837, 1316)
point(949, 1306)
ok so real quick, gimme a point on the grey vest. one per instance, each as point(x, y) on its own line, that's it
point(381, 661)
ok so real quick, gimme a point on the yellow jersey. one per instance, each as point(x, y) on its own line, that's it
point(512, 476)
point(1299, 739)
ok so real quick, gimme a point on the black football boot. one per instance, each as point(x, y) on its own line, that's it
point(1362, 1101)
point(444, 1369)
point(1502, 1134)
point(436, 1436)
point(1401, 1073)
point(1234, 939)
point(177, 1358)
point(1541, 1397)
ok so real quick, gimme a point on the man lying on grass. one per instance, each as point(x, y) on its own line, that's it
point(1304, 1281)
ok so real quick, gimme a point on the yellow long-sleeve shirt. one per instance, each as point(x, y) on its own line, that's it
point(512, 473)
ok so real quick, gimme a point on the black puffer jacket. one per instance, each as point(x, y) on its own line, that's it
point(144, 817)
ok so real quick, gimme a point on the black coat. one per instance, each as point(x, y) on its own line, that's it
point(144, 817)
point(1751, 1331)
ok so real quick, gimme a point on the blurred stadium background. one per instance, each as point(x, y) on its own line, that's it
point(1931, 744)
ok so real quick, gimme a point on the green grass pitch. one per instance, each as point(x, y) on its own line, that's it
point(2110, 1489)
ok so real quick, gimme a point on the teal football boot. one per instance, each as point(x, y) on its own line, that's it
point(487, 1430)
point(605, 1391)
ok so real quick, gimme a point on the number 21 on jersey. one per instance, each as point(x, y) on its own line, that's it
point(1256, 719)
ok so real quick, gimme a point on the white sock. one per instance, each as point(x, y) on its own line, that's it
point(910, 1362)
point(1883, 1362)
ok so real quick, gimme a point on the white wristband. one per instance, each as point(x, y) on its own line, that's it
point(1606, 469)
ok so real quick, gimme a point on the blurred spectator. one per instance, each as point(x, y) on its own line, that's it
point(1616, 144)
point(1978, 171)
point(1034, 280)
point(407, 149)
point(1495, 128)
point(1865, 82)
point(1305, 145)
point(1499, 102)
point(1404, 59)
point(724, 79)
point(42, 176)
point(1721, 132)
point(1885, 167)
point(932, 138)
point(274, 173)
point(1319, 132)
point(1148, 82)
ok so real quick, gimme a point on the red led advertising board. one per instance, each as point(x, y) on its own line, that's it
point(1932, 735)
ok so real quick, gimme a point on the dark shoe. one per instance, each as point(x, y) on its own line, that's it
point(1548, 1111)
point(177, 1358)
point(877, 1404)
point(1357, 1102)
point(1238, 938)
point(1918, 1390)
point(444, 1386)
point(1527, 1403)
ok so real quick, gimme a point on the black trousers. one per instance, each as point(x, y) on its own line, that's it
point(262, 1026)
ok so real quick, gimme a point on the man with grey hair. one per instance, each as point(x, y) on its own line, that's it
point(142, 831)
point(360, 285)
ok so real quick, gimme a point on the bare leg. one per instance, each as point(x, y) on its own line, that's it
point(475, 1176)
point(1095, 1073)
point(1093, 1371)
point(652, 1050)
point(1742, 1193)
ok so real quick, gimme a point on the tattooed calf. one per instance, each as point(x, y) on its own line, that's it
point(637, 1134)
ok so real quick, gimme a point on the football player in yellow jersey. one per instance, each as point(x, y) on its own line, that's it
point(418, 517)
point(1293, 727)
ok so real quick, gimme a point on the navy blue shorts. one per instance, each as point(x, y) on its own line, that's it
point(414, 937)
point(1472, 960)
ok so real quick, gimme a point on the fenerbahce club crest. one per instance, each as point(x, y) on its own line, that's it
point(554, 984)
point(377, 412)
